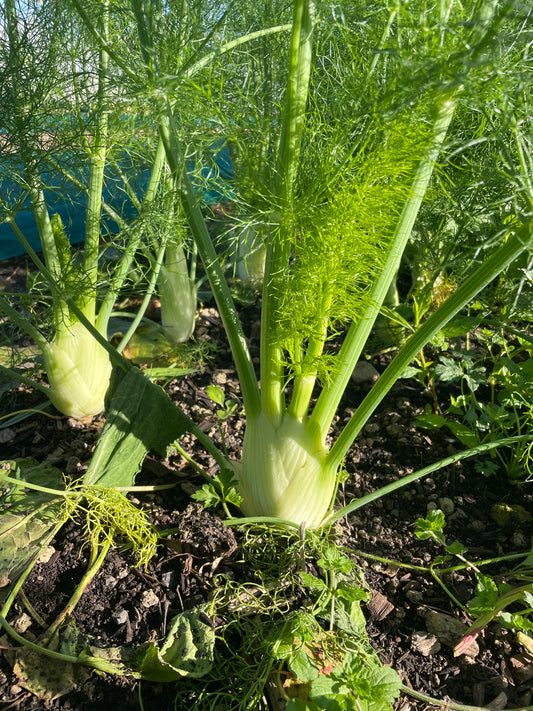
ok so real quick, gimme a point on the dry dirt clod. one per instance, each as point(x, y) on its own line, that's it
point(446, 505)
point(425, 643)
point(149, 599)
point(521, 668)
point(449, 630)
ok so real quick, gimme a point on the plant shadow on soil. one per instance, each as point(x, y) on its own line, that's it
point(125, 604)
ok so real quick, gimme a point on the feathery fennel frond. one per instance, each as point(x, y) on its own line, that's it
point(340, 246)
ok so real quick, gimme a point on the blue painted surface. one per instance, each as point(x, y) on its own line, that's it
point(215, 186)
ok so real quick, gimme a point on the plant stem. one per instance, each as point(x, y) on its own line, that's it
point(94, 567)
point(206, 250)
point(146, 299)
point(26, 149)
point(280, 236)
point(304, 383)
point(96, 175)
point(483, 275)
point(447, 704)
point(409, 478)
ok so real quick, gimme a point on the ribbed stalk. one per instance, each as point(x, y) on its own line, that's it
point(500, 260)
point(96, 174)
point(22, 122)
point(304, 382)
point(280, 239)
point(191, 208)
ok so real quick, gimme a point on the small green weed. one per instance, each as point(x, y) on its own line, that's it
point(495, 400)
point(295, 633)
point(492, 597)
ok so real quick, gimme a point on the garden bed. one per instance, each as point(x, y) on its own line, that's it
point(408, 612)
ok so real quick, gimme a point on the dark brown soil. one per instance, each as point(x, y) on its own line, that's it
point(125, 604)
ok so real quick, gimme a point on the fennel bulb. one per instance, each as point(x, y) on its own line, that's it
point(251, 256)
point(177, 294)
point(78, 370)
point(284, 472)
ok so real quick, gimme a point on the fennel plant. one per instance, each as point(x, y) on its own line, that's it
point(341, 208)
point(59, 126)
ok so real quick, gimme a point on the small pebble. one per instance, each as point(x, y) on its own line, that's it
point(7, 435)
point(120, 616)
point(372, 428)
point(414, 596)
point(477, 526)
point(519, 540)
point(149, 599)
point(364, 372)
point(22, 623)
point(425, 643)
point(446, 505)
point(46, 554)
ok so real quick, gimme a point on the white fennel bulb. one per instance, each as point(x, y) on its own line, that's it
point(284, 472)
point(178, 296)
point(78, 370)
point(251, 256)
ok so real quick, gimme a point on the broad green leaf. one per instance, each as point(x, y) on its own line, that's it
point(302, 666)
point(411, 372)
point(326, 690)
point(386, 685)
point(208, 495)
point(333, 560)
point(460, 325)
point(140, 418)
point(486, 596)
point(463, 433)
point(349, 617)
point(312, 582)
point(430, 421)
point(516, 621)
point(187, 651)
point(449, 370)
point(301, 705)
point(30, 518)
point(456, 548)
point(46, 678)
point(216, 394)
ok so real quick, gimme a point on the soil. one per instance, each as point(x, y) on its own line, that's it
point(408, 615)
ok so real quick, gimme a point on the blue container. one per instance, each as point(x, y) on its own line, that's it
point(213, 186)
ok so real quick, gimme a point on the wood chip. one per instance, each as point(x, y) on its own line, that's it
point(379, 607)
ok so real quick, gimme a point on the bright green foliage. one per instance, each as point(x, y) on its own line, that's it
point(367, 110)
point(356, 685)
point(506, 411)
